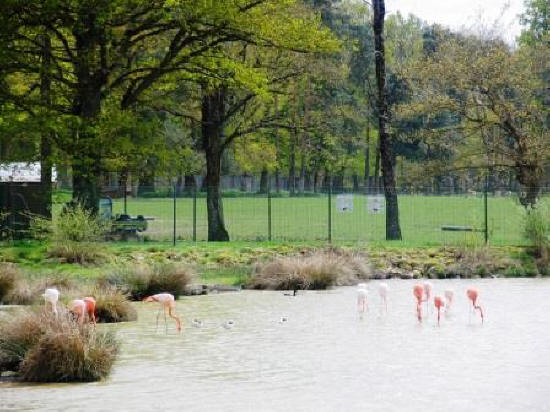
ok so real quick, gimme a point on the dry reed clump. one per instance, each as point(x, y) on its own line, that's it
point(42, 348)
point(28, 290)
point(316, 271)
point(143, 280)
point(113, 306)
point(8, 280)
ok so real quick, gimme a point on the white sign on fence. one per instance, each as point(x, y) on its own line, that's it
point(344, 203)
point(376, 204)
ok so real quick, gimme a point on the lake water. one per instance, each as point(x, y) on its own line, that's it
point(325, 357)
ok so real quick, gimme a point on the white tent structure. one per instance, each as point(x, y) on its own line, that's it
point(22, 172)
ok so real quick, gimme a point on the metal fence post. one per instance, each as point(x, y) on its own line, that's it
point(174, 234)
point(330, 209)
point(486, 209)
point(195, 212)
point(269, 208)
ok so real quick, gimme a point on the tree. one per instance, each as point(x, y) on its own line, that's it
point(113, 51)
point(393, 230)
point(496, 92)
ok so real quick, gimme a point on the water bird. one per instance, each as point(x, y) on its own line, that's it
point(383, 291)
point(229, 324)
point(438, 303)
point(83, 308)
point(283, 319)
point(167, 304)
point(51, 296)
point(449, 296)
point(197, 323)
point(418, 292)
point(473, 294)
point(428, 287)
point(362, 297)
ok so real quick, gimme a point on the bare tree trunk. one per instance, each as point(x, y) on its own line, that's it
point(293, 141)
point(393, 230)
point(213, 107)
point(301, 183)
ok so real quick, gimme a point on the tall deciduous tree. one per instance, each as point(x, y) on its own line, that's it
point(393, 230)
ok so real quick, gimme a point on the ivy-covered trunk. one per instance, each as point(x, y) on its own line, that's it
point(393, 230)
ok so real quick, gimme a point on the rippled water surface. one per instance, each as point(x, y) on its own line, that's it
point(325, 357)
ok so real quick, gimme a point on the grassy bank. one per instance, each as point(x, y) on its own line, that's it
point(232, 263)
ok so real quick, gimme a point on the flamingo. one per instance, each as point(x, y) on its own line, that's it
point(449, 296)
point(51, 296)
point(472, 294)
point(83, 308)
point(362, 297)
point(438, 303)
point(383, 291)
point(167, 303)
point(427, 292)
point(418, 292)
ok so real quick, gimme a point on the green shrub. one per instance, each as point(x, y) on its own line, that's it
point(537, 230)
point(74, 235)
point(42, 348)
point(8, 279)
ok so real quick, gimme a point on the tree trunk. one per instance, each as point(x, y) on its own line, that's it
point(46, 135)
point(316, 181)
point(264, 181)
point(292, 165)
point(277, 181)
point(393, 230)
point(213, 108)
point(301, 184)
point(367, 158)
point(189, 184)
point(355, 179)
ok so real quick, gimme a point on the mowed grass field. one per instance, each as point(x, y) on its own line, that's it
point(306, 219)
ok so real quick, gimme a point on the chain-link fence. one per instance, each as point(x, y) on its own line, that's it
point(427, 216)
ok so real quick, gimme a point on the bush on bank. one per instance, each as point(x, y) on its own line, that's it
point(40, 347)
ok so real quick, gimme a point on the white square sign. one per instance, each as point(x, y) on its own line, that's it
point(376, 204)
point(344, 203)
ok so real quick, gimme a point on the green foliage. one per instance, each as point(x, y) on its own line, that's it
point(74, 235)
point(537, 229)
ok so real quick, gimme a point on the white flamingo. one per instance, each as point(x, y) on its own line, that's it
point(449, 296)
point(51, 296)
point(362, 297)
point(383, 289)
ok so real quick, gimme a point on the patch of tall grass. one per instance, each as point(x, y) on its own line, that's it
point(40, 347)
point(139, 281)
point(8, 279)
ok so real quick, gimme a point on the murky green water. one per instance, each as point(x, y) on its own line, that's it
point(325, 357)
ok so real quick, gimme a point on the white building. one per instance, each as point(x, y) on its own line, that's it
point(22, 172)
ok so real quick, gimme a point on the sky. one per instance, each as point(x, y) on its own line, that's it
point(463, 13)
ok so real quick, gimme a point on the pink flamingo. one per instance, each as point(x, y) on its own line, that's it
point(167, 304)
point(418, 292)
point(439, 303)
point(472, 294)
point(427, 292)
point(84, 308)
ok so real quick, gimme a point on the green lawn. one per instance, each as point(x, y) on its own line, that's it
point(306, 219)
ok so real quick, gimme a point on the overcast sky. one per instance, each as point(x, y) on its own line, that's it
point(463, 13)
